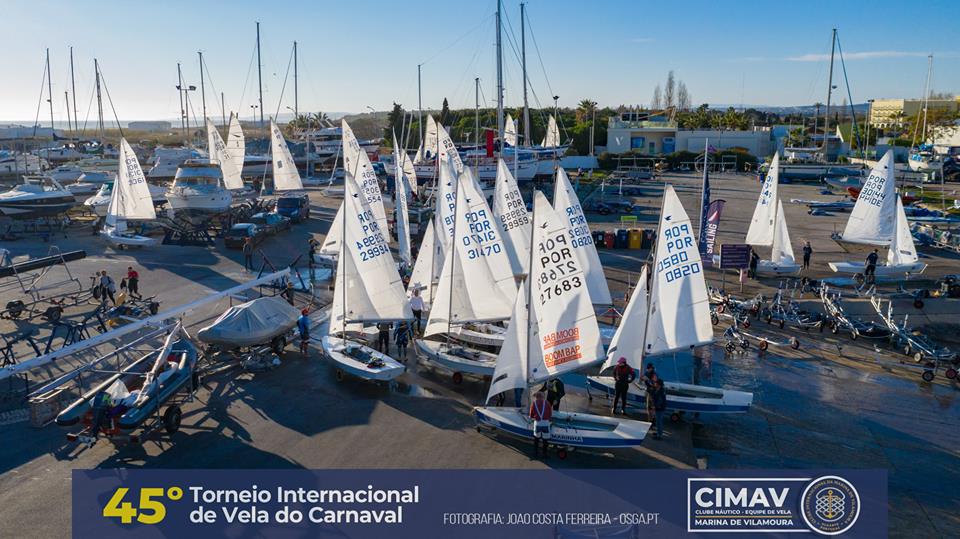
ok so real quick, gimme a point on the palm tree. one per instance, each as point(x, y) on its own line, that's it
point(585, 110)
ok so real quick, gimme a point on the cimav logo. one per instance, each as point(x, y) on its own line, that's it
point(830, 505)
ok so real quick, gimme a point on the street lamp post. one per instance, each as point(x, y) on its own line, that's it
point(254, 107)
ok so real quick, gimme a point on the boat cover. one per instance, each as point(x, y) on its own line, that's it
point(251, 323)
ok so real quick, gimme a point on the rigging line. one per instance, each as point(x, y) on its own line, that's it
point(223, 113)
point(243, 94)
point(283, 87)
point(106, 90)
point(93, 92)
point(36, 119)
point(462, 36)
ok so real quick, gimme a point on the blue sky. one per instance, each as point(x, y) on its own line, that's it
point(364, 53)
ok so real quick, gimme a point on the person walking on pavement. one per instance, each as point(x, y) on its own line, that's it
point(303, 326)
point(248, 254)
point(870, 264)
point(659, 405)
point(288, 292)
point(754, 261)
point(133, 283)
point(623, 375)
point(107, 287)
point(401, 337)
point(541, 413)
point(416, 305)
point(807, 251)
point(555, 391)
point(383, 340)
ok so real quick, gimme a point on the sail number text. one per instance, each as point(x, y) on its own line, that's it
point(676, 264)
point(559, 274)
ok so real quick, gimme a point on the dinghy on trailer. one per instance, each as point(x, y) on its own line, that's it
point(129, 200)
point(552, 331)
point(265, 320)
point(459, 359)
point(768, 227)
point(873, 219)
point(902, 259)
point(676, 316)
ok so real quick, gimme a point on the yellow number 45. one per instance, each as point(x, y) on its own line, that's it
point(151, 511)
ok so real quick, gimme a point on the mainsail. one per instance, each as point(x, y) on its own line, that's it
point(428, 148)
point(357, 165)
point(447, 149)
point(217, 149)
point(236, 144)
point(552, 138)
point(285, 175)
point(511, 216)
point(400, 190)
point(568, 206)
point(130, 198)
point(427, 268)
point(764, 215)
point(510, 132)
point(679, 305)
point(873, 220)
point(629, 339)
point(367, 286)
point(331, 243)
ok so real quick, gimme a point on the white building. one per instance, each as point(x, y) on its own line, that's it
point(651, 134)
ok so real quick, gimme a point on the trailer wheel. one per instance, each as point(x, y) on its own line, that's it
point(15, 308)
point(730, 347)
point(52, 314)
point(951, 373)
point(458, 378)
point(714, 319)
point(795, 343)
point(744, 344)
point(918, 357)
point(339, 375)
point(171, 419)
point(918, 303)
point(562, 454)
point(927, 376)
point(721, 308)
point(763, 345)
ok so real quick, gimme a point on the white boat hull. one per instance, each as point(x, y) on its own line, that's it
point(682, 397)
point(479, 334)
point(344, 354)
point(766, 267)
point(458, 358)
point(568, 429)
point(126, 239)
point(882, 270)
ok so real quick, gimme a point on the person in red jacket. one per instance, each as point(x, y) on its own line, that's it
point(541, 412)
point(622, 376)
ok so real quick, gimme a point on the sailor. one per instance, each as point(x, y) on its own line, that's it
point(555, 391)
point(871, 265)
point(383, 340)
point(623, 375)
point(303, 326)
point(649, 378)
point(659, 405)
point(807, 251)
point(401, 336)
point(416, 305)
point(754, 261)
point(288, 292)
point(107, 287)
point(133, 282)
point(248, 254)
point(541, 413)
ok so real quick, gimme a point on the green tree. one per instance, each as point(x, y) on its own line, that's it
point(585, 110)
point(395, 122)
point(444, 118)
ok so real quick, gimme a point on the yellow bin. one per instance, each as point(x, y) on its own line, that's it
point(635, 238)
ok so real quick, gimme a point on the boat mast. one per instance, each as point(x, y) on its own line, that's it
point(452, 252)
point(296, 97)
point(73, 90)
point(826, 111)
point(523, 61)
point(476, 138)
point(223, 110)
point(203, 91)
point(50, 96)
point(533, 235)
point(420, 105)
point(66, 101)
point(926, 97)
point(259, 74)
point(499, 78)
point(183, 112)
point(96, 70)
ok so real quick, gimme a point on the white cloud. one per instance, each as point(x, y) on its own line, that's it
point(866, 55)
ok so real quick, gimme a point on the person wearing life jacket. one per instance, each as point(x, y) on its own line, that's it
point(541, 412)
point(303, 326)
point(555, 391)
point(622, 376)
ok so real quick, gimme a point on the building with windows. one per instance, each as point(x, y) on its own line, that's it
point(892, 113)
point(651, 133)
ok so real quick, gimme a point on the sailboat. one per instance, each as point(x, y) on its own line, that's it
point(427, 268)
point(567, 204)
point(552, 137)
point(675, 317)
point(367, 289)
point(285, 174)
point(401, 190)
point(130, 200)
point(236, 143)
point(769, 227)
point(219, 155)
point(510, 132)
point(878, 219)
point(552, 331)
point(510, 213)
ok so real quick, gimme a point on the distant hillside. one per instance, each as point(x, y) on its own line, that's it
point(806, 110)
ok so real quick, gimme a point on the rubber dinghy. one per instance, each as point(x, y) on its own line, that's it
point(360, 360)
point(569, 429)
point(553, 331)
point(129, 200)
point(459, 359)
point(260, 321)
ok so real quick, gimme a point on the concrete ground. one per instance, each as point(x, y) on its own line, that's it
point(830, 404)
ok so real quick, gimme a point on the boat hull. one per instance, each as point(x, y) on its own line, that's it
point(766, 267)
point(126, 239)
point(682, 397)
point(344, 355)
point(479, 363)
point(568, 429)
point(882, 270)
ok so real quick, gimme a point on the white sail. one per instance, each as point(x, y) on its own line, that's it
point(782, 252)
point(565, 336)
point(429, 145)
point(761, 225)
point(476, 283)
point(510, 371)
point(407, 165)
point(331, 243)
point(130, 198)
point(357, 165)
point(427, 268)
point(219, 154)
point(568, 207)
point(446, 203)
point(367, 286)
point(400, 191)
point(873, 218)
point(236, 144)
point(447, 149)
point(510, 214)
point(510, 132)
point(552, 138)
point(679, 305)
point(628, 340)
point(902, 249)
point(285, 174)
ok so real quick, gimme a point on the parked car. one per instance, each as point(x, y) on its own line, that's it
point(294, 207)
point(238, 234)
point(271, 223)
point(613, 206)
